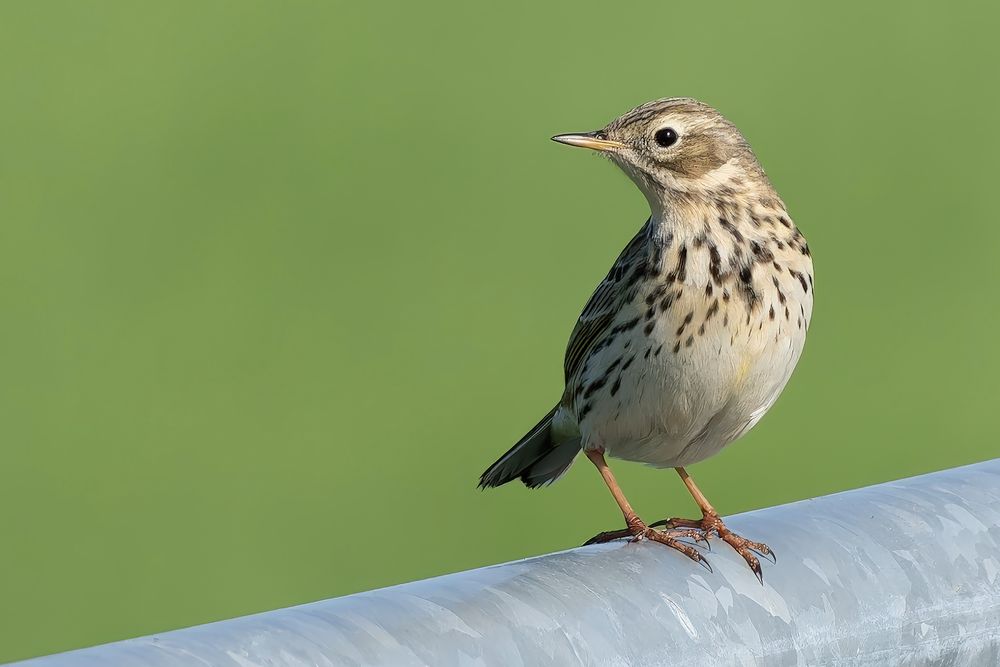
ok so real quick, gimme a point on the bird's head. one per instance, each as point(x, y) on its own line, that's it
point(675, 148)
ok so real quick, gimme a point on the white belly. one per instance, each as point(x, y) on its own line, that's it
point(681, 407)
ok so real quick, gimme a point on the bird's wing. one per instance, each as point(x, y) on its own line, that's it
point(598, 316)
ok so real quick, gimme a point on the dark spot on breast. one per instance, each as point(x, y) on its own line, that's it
point(603, 380)
point(760, 253)
point(777, 286)
point(668, 301)
point(649, 328)
point(654, 263)
point(701, 329)
point(731, 228)
point(587, 407)
point(747, 288)
point(770, 313)
point(682, 263)
point(708, 289)
point(616, 386)
point(712, 310)
point(659, 347)
point(637, 274)
point(628, 363)
point(655, 294)
point(689, 341)
point(687, 321)
point(626, 326)
point(715, 264)
point(677, 347)
point(784, 221)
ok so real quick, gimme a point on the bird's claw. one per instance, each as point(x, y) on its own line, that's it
point(763, 551)
point(673, 543)
point(608, 536)
point(669, 538)
point(611, 535)
point(711, 523)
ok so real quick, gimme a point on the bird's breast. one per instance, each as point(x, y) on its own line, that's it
point(722, 323)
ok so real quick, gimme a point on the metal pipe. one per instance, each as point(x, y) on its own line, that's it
point(903, 573)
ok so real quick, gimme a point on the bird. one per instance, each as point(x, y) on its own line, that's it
point(694, 332)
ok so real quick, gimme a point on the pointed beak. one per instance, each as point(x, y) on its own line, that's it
point(597, 141)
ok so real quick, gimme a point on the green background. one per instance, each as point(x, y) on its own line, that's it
point(278, 280)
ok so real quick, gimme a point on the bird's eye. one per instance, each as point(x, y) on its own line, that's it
point(665, 137)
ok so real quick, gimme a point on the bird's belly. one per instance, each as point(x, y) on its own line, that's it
point(687, 402)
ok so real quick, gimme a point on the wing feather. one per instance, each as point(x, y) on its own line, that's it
point(599, 315)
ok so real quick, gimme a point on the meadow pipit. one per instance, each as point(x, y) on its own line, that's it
point(694, 332)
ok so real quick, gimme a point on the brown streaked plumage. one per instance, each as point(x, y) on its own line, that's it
point(693, 333)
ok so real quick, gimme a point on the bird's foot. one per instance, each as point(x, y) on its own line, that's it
point(638, 530)
point(712, 523)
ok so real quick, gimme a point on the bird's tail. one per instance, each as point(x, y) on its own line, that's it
point(537, 458)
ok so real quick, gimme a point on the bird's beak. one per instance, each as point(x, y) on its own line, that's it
point(593, 140)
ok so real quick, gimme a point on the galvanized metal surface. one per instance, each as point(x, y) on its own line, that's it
point(904, 573)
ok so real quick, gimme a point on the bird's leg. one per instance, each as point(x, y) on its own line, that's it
point(636, 528)
point(711, 522)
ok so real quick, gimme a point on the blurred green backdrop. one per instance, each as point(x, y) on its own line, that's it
point(278, 280)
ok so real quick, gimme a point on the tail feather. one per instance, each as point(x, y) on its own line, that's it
point(536, 459)
point(551, 466)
